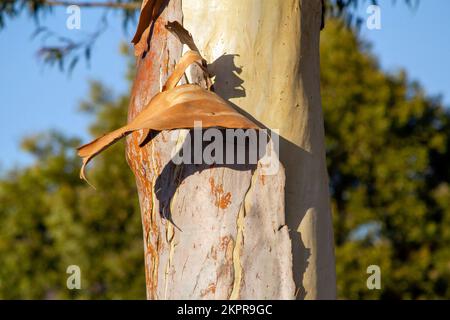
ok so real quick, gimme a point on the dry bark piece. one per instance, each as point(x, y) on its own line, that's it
point(149, 13)
point(142, 45)
point(186, 60)
point(182, 34)
point(145, 137)
point(176, 107)
point(186, 38)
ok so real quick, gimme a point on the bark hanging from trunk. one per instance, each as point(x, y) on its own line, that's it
point(219, 232)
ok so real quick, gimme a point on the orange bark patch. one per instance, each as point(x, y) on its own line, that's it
point(211, 289)
point(222, 199)
point(224, 242)
point(263, 179)
point(213, 253)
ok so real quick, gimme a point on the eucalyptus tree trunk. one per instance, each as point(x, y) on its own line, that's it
point(233, 231)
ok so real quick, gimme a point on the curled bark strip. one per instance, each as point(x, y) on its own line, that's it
point(185, 37)
point(149, 13)
point(176, 107)
point(146, 134)
point(142, 45)
point(90, 150)
point(182, 34)
point(186, 60)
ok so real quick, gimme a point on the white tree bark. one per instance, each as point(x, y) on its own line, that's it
point(230, 239)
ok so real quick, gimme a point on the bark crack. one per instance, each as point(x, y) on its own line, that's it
point(238, 246)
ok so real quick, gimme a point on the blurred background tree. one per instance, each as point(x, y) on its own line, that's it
point(388, 147)
point(50, 219)
point(388, 155)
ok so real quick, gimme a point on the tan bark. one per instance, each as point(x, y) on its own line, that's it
point(230, 240)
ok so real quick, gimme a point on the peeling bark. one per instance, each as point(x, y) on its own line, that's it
point(219, 232)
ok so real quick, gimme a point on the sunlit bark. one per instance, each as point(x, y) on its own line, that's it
point(219, 232)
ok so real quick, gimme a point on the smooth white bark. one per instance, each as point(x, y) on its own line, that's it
point(276, 44)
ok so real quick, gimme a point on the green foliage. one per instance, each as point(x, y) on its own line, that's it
point(388, 154)
point(51, 219)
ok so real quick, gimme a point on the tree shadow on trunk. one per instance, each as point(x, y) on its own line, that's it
point(229, 85)
point(174, 172)
point(291, 157)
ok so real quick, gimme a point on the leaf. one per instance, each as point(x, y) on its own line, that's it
point(87, 54)
point(38, 31)
point(176, 107)
point(72, 65)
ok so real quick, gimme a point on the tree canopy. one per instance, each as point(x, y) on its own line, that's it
point(51, 219)
point(388, 154)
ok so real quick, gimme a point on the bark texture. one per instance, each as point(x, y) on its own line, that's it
point(219, 232)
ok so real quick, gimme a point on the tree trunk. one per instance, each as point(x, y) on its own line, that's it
point(234, 231)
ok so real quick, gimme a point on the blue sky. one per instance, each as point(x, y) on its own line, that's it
point(35, 98)
point(417, 40)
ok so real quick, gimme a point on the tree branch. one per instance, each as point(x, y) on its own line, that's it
point(90, 4)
